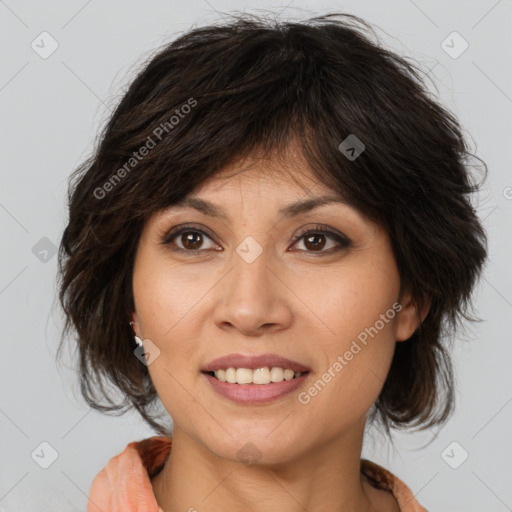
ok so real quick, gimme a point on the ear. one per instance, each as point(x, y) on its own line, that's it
point(409, 317)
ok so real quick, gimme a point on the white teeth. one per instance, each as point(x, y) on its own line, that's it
point(221, 375)
point(276, 374)
point(243, 376)
point(288, 374)
point(264, 375)
point(231, 375)
point(260, 376)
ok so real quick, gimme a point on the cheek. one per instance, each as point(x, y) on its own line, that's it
point(165, 301)
point(165, 297)
point(352, 377)
point(350, 298)
point(358, 308)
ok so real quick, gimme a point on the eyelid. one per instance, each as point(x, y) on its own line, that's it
point(343, 241)
point(167, 235)
point(318, 228)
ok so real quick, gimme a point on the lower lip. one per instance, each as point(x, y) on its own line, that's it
point(255, 393)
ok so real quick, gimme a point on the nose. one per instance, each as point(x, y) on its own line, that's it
point(253, 298)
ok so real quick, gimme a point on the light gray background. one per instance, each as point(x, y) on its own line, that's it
point(51, 111)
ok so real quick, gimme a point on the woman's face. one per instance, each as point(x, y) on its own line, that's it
point(248, 283)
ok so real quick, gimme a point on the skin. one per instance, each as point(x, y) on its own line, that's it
point(293, 300)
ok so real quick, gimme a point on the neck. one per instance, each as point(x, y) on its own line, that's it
point(322, 477)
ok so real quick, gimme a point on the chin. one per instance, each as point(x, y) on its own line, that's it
point(253, 446)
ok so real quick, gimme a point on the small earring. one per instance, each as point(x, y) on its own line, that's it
point(137, 339)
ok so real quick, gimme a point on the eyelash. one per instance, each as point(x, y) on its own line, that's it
point(343, 241)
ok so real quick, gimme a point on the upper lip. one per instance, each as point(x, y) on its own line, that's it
point(253, 362)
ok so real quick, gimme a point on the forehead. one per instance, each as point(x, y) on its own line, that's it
point(286, 183)
point(272, 188)
point(283, 175)
point(257, 192)
point(278, 184)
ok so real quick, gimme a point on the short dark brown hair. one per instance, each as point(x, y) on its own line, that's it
point(222, 92)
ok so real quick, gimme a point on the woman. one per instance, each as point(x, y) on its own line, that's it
point(274, 239)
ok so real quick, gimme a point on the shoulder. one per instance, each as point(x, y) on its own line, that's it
point(381, 478)
point(153, 453)
point(124, 483)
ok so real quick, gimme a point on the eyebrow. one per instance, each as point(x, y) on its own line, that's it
point(288, 211)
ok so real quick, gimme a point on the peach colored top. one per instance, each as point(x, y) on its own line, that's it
point(124, 484)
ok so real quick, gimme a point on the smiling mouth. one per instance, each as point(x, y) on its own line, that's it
point(259, 376)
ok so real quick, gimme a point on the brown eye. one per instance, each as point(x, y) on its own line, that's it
point(191, 240)
point(188, 239)
point(316, 241)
